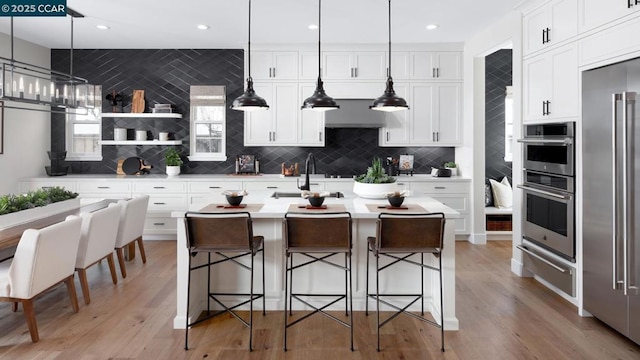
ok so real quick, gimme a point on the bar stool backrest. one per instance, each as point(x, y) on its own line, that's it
point(217, 232)
point(324, 231)
point(410, 232)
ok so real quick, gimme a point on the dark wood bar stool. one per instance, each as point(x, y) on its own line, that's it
point(317, 237)
point(398, 237)
point(230, 236)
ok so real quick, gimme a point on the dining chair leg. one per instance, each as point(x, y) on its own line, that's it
point(112, 268)
point(123, 268)
point(84, 285)
point(14, 306)
point(30, 316)
point(143, 255)
point(71, 289)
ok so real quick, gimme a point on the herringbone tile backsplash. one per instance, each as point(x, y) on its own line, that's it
point(165, 76)
point(498, 75)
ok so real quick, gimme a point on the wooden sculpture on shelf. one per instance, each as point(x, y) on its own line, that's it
point(137, 103)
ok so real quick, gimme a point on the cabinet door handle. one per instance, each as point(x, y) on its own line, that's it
point(401, 184)
point(548, 107)
point(433, 72)
point(387, 72)
point(103, 187)
point(544, 32)
point(356, 71)
point(269, 72)
point(320, 136)
point(274, 136)
point(548, 37)
point(272, 187)
point(387, 136)
point(433, 136)
point(314, 184)
point(159, 187)
point(158, 224)
point(270, 135)
point(438, 72)
point(439, 187)
point(214, 187)
point(437, 135)
point(544, 108)
point(274, 72)
point(46, 187)
point(159, 203)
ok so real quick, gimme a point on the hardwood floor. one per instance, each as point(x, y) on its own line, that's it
point(501, 316)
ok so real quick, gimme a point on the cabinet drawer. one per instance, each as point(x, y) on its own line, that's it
point(289, 185)
point(167, 202)
point(462, 225)
point(458, 203)
point(214, 187)
point(160, 187)
point(103, 186)
point(440, 187)
point(36, 185)
point(160, 225)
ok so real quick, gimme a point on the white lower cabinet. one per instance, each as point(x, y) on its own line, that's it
point(453, 194)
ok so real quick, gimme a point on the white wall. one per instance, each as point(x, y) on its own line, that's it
point(501, 34)
point(27, 133)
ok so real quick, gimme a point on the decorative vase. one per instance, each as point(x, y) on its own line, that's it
point(173, 170)
point(373, 191)
point(454, 171)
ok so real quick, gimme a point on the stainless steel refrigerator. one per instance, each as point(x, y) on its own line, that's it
point(611, 204)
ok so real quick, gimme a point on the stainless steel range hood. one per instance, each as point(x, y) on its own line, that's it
point(354, 113)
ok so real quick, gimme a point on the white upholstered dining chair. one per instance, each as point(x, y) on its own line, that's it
point(44, 258)
point(99, 232)
point(132, 216)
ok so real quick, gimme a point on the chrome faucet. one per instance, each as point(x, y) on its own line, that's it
point(309, 166)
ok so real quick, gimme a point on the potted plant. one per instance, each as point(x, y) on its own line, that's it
point(375, 184)
point(451, 166)
point(172, 161)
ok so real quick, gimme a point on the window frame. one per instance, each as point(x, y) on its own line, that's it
point(207, 96)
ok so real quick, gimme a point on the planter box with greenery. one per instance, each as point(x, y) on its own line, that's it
point(15, 209)
point(375, 183)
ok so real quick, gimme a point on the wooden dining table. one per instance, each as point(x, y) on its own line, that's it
point(10, 236)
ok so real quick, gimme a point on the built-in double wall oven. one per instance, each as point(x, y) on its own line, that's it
point(548, 188)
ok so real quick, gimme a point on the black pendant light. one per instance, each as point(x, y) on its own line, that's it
point(319, 101)
point(249, 101)
point(389, 101)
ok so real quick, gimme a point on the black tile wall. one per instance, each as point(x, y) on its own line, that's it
point(498, 75)
point(165, 76)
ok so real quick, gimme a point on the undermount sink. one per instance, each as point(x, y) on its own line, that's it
point(281, 194)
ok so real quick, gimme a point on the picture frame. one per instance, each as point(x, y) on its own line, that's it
point(405, 163)
point(1, 127)
point(246, 164)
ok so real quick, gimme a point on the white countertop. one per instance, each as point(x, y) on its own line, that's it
point(357, 206)
point(224, 177)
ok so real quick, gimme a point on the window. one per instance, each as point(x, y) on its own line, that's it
point(207, 123)
point(508, 124)
point(84, 132)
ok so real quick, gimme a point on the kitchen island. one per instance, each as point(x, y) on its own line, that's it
point(268, 223)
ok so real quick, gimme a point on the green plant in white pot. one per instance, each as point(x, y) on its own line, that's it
point(375, 184)
point(172, 161)
point(451, 166)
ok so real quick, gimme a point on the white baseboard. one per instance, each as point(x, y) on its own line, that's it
point(478, 239)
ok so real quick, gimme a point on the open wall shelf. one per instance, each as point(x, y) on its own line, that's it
point(143, 115)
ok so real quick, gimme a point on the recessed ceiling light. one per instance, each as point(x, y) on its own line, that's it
point(103, 27)
point(202, 27)
point(432, 26)
point(313, 27)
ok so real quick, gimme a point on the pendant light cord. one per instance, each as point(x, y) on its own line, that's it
point(249, 41)
point(319, 32)
point(389, 75)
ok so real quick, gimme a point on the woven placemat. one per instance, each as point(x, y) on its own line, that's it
point(406, 208)
point(222, 208)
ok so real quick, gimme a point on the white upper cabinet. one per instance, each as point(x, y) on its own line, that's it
point(308, 61)
point(278, 125)
point(551, 85)
point(400, 65)
point(434, 118)
point(311, 123)
point(594, 13)
point(365, 65)
point(441, 65)
point(550, 24)
point(274, 65)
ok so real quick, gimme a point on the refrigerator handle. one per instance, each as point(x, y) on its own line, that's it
point(628, 114)
point(615, 218)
